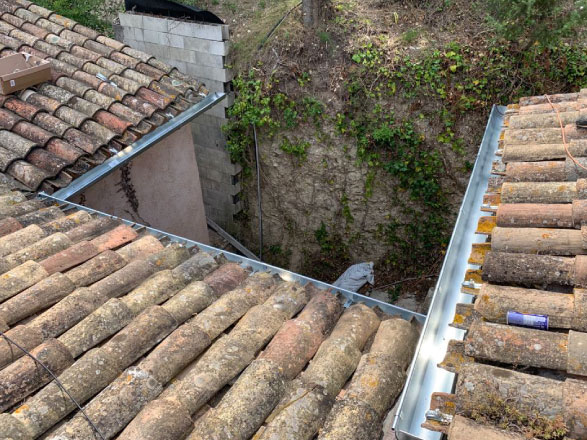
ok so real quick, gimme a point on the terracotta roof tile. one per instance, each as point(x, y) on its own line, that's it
point(6, 27)
point(8, 119)
point(90, 33)
point(46, 161)
point(63, 21)
point(21, 108)
point(50, 49)
point(14, 21)
point(105, 311)
point(42, 101)
point(83, 141)
point(67, 57)
point(32, 132)
point(535, 236)
point(27, 173)
point(70, 35)
point(39, 10)
point(13, 142)
point(51, 27)
point(125, 60)
point(52, 124)
point(24, 37)
point(63, 111)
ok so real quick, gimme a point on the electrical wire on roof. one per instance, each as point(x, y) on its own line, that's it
point(59, 384)
point(560, 122)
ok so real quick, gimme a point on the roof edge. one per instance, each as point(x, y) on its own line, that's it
point(424, 377)
point(140, 146)
point(351, 297)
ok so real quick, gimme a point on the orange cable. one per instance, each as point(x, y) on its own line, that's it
point(560, 122)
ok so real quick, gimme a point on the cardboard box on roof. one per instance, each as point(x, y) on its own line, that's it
point(19, 71)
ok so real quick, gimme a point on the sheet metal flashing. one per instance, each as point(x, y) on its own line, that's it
point(424, 377)
point(351, 297)
point(140, 146)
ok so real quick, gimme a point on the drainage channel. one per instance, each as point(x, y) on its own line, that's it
point(424, 377)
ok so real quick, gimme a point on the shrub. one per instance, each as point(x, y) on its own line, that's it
point(545, 22)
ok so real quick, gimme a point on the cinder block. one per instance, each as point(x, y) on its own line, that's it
point(208, 158)
point(118, 32)
point(213, 32)
point(237, 207)
point(138, 34)
point(155, 24)
point(208, 135)
point(215, 86)
point(204, 59)
point(212, 120)
point(207, 46)
point(175, 63)
point(164, 52)
point(212, 156)
point(214, 175)
point(131, 20)
point(151, 36)
point(217, 111)
point(206, 72)
point(128, 34)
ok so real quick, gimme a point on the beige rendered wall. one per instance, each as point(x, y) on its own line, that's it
point(160, 188)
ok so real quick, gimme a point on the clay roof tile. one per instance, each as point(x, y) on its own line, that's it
point(51, 123)
point(63, 21)
point(47, 161)
point(8, 119)
point(72, 59)
point(64, 150)
point(71, 116)
point(98, 48)
point(32, 132)
point(125, 60)
point(10, 42)
point(21, 108)
point(39, 10)
point(90, 33)
point(78, 39)
point(15, 21)
point(35, 30)
point(50, 49)
point(27, 173)
point(42, 101)
point(51, 27)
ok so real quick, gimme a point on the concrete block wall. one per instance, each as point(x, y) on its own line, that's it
point(200, 50)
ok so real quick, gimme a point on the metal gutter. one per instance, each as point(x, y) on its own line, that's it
point(424, 377)
point(143, 144)
point(352, 297)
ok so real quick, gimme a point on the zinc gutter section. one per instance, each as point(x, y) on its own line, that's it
point(424, 376)
point(351, 297)
point(140, 146)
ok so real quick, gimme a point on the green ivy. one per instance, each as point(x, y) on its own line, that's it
point(298, 149)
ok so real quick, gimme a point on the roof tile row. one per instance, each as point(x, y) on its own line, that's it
point(530, 272)
point(147, 335)
point(103, 96)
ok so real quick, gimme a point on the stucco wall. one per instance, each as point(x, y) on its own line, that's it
point(160, 188)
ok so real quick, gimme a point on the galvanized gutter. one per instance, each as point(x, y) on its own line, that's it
point(143, 144)
point(424, 377)
point(351, 297)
